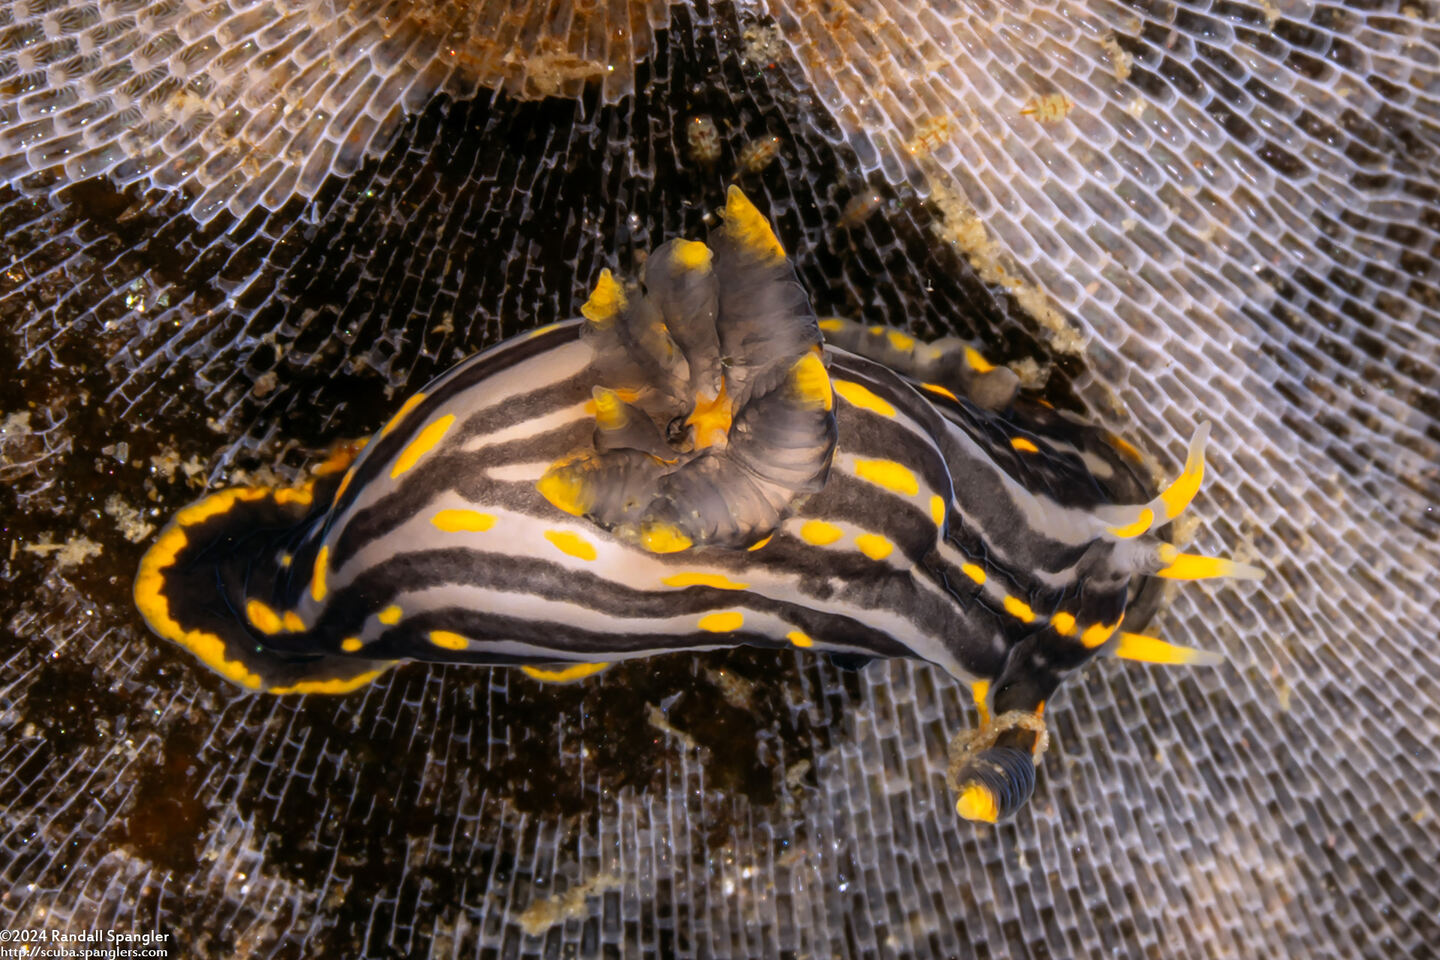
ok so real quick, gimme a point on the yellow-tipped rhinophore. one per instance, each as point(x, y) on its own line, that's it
point(749, 227)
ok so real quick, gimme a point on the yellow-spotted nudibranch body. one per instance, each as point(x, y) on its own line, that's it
point(690, 466)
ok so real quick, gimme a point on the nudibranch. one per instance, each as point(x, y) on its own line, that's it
point(691, 465)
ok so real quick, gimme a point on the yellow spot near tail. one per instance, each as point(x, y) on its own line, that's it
point(711, 418)
point(1097, 633)
point(571, 543)
point(664, 538)
point(609, 410)
point(811, 382)
point(800, 638)
point(980, 693)
point(292, 622)
point(462, 521)
point(819, 533)
point(758, 544)
point(390, 615)
point(722, 622)
point(1141, 524)
point(692, 255)
point(606, 300)
point(749, 227)
point(832, 324)
point(977, 803)
point(262, 618)
point(448, 640)
point(976, 362)
point(937, 510)
point(863, 398)
point(351, 644)
point(286, 559)
point(695, 579)
point(423, 443)
point(400, 414)
point(942, 391)
point(335, 686)
point(974, 572)
point(577, 671)
point(565, 488)
point(1018, 609)
point(1063, 623)
point(317, 580)
point(874, 546)
point(1023, 445)
point(893, 476)
point(1136, 646)
point(900, 341)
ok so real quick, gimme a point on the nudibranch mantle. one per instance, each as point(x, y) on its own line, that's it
point(691, 466)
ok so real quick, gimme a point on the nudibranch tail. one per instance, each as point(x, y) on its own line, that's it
point(713, 409)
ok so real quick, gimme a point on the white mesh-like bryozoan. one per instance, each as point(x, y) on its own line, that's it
point(246, 104)
point(1205, 210)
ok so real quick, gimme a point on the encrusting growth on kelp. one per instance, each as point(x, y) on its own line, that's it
point(689, 466)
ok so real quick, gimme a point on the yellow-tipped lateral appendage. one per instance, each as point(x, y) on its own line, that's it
point(711, 418)
point(565, 488)
point(577, 671)
point(1173, 500)
point(749, 227)
point(606, 300)
point(664, 538)
point(692, 255)
point(977, 803)
point(1137, 646)
point(811, 382)
point(609, 409)
point(1193, 566)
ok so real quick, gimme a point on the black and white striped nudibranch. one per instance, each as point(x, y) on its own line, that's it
point(691, 466)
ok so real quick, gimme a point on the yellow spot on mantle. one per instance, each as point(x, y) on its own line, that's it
point(448, 640)
point(576, 671)
point(1063, 623)
point(351, 644)
point(571, 543)
point(696, 579)
point(942, 391)
point(1023, 445)
point(390, 615)
point(722, 622)
point(1097, 633)
point(874, 546)
point(974, 572)
point(893, 476)
point(800, 638)
point(261, 617)
point(1018, 609)
point(980, 693)
point(292, 622)
point(317, 581)
point(976, 362)
point(937, 510)
point(606, 300)
point(832, 324)
point(758, 544)
point(423, 443)
point(819, 533)
point(863, 398)
point(462, 521)
point(400, 414)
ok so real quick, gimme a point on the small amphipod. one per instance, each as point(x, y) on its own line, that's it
point(1051, 108)
point(704, 140)
point(690, 465)
point(758, 154)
